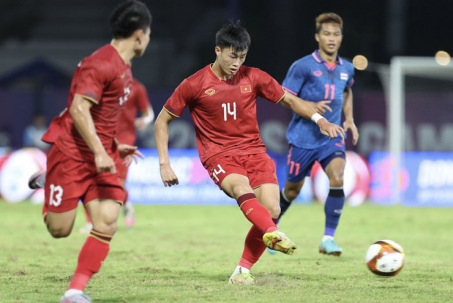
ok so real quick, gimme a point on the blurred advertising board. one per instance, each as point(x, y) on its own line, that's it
point(424, 179)
point(196, 187)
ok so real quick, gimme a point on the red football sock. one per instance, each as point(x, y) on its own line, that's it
point(253, 248)
point(256, 213)
point(87, 215)
point(126, 195)
point(93, 253)
point(44, 212)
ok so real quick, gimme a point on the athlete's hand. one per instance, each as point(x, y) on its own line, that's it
point(349, 124)
point(322, 106)
point(129, 152)
point(168, 176)
point(329, 129)
point(104, 163)
point(140, 123)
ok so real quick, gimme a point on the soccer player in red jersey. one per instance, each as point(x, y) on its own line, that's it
point(138, 100)
point(222, 101)
point(81, 160)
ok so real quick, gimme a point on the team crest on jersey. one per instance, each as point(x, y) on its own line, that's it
point(246, 89)
point(344, 76)
point(209, 92)
point(317, 73)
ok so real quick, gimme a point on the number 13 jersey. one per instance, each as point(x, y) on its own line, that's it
point(106, 80)
point(224, 112)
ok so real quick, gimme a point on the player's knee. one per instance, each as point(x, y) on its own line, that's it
point(336, 180)
point(106, 228)
point(292, 193)
point(59, 232)
point(239, 190)
point(274, 210)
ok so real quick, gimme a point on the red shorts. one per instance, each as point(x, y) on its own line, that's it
point(258, 168)
point(121, 169)
point(68, 181)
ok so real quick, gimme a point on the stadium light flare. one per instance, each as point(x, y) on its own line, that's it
point(360, 62)
point(442, 58)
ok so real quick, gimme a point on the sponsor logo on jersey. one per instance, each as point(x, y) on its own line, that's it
point(317, 73)
point(209, 92)
point(344, 76)
point(246, 89)
point(248, 211)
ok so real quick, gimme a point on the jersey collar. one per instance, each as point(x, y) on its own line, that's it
point(319, 59)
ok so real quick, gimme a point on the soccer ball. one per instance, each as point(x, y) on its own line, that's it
point(385, 258)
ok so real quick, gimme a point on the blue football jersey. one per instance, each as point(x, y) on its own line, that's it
point(312, 79)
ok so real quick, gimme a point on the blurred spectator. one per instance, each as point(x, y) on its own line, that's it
point(4, 139)
point(34, 132)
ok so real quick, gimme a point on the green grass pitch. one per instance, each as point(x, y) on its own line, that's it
point(186, 254)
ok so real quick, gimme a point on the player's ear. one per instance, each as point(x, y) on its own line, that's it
point(139, 34)
point(217, 50)
point(317, 37)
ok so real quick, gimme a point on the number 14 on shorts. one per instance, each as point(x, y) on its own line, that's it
point(216, 172)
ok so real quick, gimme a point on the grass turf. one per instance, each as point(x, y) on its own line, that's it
point(186, 254)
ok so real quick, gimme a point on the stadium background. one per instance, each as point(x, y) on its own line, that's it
point(42, 41)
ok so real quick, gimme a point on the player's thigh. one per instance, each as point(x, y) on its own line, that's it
point(268, 195)
point(61, 224)
point(104, 214)
point(260, 169)
point(335, 171)
point(332, 159)
point(236, 185)
point(300, 161)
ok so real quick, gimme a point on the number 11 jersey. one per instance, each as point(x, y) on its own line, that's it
point(224, 112)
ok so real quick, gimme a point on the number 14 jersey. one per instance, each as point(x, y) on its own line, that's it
point(224, 112)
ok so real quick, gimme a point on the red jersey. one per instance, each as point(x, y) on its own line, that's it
point(105, 79)
point(224, 112)
point(138, 100)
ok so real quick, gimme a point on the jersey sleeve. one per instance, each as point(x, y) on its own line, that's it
point(267, 87)
point(179, 99)
point(295, 79)
point(350, 82)
point(141, 95)
point(93, 77)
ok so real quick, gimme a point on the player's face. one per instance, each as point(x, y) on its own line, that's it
point(143, 38)
point(230, 60)
point(329, 38)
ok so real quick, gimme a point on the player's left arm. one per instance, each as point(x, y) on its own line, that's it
point(303, 109)
point(349, 119)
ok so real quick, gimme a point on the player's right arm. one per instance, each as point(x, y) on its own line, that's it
point(172, 108)
point(83, 121)
point(161, 133)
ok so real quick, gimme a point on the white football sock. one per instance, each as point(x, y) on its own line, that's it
point(326, 237)
point(240, 269)
point(71, 292)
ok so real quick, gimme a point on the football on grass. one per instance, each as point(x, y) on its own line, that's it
point(385, 258)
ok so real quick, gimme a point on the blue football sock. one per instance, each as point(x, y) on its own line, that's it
point(333, 208)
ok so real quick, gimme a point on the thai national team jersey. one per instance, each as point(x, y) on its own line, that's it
point(224, 112)
point(104, 79)
point(313, 79)
point(138, 100)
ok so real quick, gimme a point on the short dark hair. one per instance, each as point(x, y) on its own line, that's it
point(233, 35)
point(128, 17)
point(328, 18)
